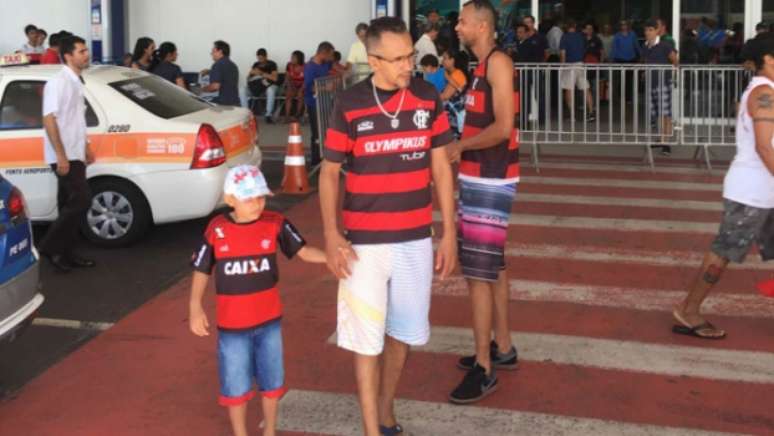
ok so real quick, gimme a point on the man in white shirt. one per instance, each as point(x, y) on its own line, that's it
point(358, 58)
point(425, 45)
point(65, 150)
point(32, 46)
point(748, 196)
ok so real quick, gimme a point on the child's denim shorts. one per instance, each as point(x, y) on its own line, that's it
point(250, 354)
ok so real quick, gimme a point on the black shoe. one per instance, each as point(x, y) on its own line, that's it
point(269, 120)
point(592, 116)
point(80, 262)
point(59, 262)
point(666, 151)
point(508, 361)
point(475, 386)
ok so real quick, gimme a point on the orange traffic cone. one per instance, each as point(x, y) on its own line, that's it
point(295, 179)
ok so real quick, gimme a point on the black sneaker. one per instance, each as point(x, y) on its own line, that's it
point(475, 386)
point(508, 361)
point(269, 120)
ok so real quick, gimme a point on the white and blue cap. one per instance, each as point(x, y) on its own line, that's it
point(245, 182)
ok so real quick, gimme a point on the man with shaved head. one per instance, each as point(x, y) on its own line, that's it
point(489, 171)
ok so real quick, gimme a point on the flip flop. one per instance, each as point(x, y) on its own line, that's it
point(391, 431)
point(766, 288)
point(696, 331)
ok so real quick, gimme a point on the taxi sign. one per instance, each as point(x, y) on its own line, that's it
point(14, 59)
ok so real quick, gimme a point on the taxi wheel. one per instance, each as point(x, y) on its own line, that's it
point(118, 215)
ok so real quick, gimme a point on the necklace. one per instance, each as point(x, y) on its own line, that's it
point(394, 121)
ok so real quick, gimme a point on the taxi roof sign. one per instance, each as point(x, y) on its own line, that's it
point(14, 59)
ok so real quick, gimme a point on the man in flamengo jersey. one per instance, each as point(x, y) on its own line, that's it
point(488, 174)
point(391, 129)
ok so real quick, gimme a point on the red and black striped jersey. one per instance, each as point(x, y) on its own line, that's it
point(244, 259)
point(387, 190)
point(502, 160)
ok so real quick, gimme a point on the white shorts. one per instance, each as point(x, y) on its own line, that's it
point(572, 77)
point(388, 292)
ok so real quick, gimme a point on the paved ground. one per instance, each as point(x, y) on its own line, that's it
point(599, 250)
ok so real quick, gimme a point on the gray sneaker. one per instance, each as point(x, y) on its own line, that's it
point(507, 361)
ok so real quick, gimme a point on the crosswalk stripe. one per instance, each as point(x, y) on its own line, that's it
point(660, 169)
point(613, 224)
point(621, 183)
point(749, 305)
point(712, 206)
point(72, 324)
point(330, 413)
point(674, 360)
point(614, 255)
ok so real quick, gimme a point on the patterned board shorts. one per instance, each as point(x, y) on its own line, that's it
point(482, 227)
point(661, 101)
point(741, 227)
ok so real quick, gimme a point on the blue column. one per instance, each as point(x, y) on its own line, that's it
point(117, 31)
point(95, 14)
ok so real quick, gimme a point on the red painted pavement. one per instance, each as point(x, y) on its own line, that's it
point(149, 375)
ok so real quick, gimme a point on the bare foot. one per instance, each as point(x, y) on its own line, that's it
point(685, 318)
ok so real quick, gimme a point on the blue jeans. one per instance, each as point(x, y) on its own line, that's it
point(247, 354)
point(271, 97)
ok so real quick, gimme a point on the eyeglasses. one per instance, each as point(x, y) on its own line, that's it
point(410, 58)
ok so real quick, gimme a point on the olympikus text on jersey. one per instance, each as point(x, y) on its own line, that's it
point(387, 191)
point(244, 259)
point(502, 160)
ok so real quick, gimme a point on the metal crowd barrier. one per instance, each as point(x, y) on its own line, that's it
point(326, 89)
point(710, 102)
point(613, 104)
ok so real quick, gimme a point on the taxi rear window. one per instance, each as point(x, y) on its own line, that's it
point(159, 97)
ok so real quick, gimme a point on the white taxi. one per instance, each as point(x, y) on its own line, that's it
point(161, 152)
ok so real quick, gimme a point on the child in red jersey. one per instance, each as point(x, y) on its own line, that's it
point(240, 247)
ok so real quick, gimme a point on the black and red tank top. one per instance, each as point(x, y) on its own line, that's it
point(502, 160)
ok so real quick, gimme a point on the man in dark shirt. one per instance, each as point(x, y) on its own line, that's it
point(659, 52)
point(593, 53)
point(262, 79)
point(530, 47)
point(761, 31)
point(537, 41)
point(534, 50)
point(573, 49)
point(519, 49)
point(318, 66)
point(224, 75)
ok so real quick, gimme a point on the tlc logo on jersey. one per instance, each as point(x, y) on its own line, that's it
point(245, 267)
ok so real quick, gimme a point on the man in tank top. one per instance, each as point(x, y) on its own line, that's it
point(748, 195)
point(489, 171)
